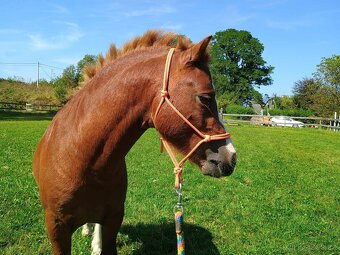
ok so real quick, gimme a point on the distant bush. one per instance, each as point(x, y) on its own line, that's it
point(290, 112)
point(42, 82)
point(20, 92)
point(60, 90)
point(226, 99)
point(239, 109)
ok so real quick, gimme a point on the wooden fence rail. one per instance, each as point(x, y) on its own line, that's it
point(28, 107)
point(316, 122)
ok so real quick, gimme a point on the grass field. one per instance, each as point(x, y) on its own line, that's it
point(282, 199)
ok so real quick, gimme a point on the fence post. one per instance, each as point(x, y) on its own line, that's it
point(221, 114)
point(29, 107)
point(334, 123)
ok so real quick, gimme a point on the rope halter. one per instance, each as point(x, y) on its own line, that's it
point(178, 169)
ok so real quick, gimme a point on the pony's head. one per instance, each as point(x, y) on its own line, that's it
point(191, 91)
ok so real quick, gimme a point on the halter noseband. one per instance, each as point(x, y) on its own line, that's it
point(205, 138)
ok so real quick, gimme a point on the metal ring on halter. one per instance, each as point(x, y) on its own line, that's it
point(179, 206)
point(180, 197)
point(179, 194)
point(179, 189)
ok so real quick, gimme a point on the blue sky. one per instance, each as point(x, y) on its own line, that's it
point(296, 34)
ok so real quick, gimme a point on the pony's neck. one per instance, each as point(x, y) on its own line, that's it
point(121, 109)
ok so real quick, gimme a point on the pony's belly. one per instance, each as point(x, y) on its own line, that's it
point(89, 203)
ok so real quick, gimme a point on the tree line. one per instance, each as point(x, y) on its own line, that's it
point(238, 70)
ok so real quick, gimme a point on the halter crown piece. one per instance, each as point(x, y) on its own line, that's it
point(178, 169)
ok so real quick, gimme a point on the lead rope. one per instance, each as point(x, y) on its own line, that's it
point(178, 169)
point(178, 210)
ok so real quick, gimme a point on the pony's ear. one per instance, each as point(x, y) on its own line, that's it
point(197, 52)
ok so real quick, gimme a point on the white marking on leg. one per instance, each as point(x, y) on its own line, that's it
point(86, 230)
point(96, 243)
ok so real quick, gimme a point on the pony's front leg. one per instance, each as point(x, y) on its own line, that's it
point(114, 216)
point(59, 234)
point(109, 233)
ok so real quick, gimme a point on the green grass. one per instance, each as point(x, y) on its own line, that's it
point(282, 199)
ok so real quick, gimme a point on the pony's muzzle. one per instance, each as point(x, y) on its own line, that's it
point(220, 163)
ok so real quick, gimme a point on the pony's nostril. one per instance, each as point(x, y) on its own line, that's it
point(213, 161)
point(221, 163)
point(228, 167)
point(233, 160)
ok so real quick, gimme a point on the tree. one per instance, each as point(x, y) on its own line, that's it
point(257, 98)
point(327, 100)
point(304, 92)
point(237, 65)
point(73, 75)
point(321, 94)
point(287, 102)
point(276, 101)
point(226, 99)
point(328, 73)
point(87, 60)
point(60, 90)
point(70, 76)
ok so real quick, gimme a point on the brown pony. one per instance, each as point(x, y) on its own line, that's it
point(79, 164)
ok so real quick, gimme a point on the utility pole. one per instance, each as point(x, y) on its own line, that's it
point(38, 74)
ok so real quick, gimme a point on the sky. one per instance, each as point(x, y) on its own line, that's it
point(296, 34)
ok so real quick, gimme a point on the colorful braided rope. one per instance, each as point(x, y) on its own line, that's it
point(179, 233)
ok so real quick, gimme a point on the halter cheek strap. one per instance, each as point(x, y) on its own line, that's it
point(178, 169)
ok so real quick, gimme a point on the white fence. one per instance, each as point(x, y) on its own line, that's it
point(313, 122)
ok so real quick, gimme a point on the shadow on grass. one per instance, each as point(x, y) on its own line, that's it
point(20, 115)
point(161, 239)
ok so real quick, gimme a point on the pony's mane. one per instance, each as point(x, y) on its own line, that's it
point(152, 38)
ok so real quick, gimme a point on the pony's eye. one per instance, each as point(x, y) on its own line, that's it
point(205, 100)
